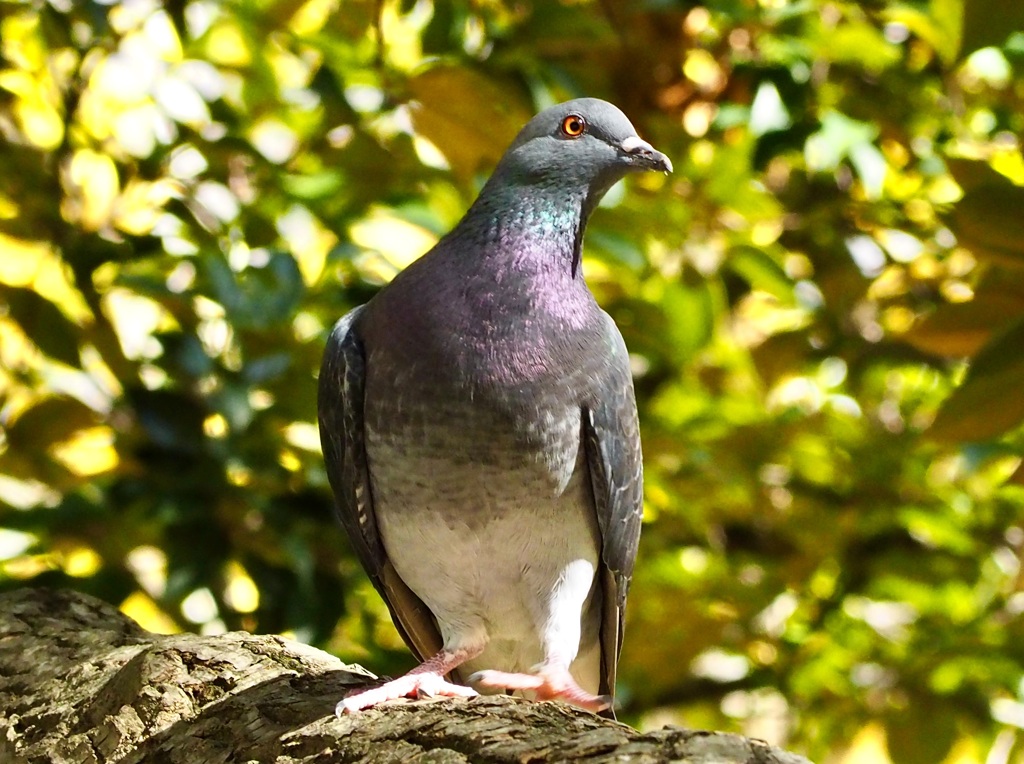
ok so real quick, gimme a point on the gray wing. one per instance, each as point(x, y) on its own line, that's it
point(612, 443)
point(340, 414)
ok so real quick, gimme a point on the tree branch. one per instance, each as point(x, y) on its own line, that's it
point(80, 682)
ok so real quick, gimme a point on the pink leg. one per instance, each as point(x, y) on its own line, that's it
point(548, 683)
point(426, 679)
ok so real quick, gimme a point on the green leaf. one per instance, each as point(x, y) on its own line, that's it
point(172, 421)
point(905, 731)
point(50, 421)
point(256, 297)
point(689, 313)
point(989, 402)
point(616, 248)
point(957, 330)
point(319, 185)
point(836, 139)
point(43, 322)
point(989, 22)
point(761, 272)
point(858, 42)
point(972, 173)
point(779, 354)
point(938, 24)
point(988, 221)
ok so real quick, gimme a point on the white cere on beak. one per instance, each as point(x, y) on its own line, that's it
point(634, 145)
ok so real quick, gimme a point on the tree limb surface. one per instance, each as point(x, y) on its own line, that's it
point(81, 683)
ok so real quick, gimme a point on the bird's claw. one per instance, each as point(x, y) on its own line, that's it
point(426, 684)
point(545, 684)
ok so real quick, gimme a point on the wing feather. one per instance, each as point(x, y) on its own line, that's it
point(612, 443)
point(342, 436)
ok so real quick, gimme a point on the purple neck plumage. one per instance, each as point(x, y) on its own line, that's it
point(538, 228)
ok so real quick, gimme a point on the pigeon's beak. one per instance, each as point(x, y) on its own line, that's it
point(644, 156)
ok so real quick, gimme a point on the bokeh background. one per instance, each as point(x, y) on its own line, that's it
point(825, 306)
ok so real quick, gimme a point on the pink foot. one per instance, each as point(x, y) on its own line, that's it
point(426, 679)
point(546, 684)
point(411, 685)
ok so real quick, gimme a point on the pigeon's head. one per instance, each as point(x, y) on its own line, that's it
point(583, 145)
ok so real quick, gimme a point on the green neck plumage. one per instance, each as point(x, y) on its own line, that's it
point(543, 218)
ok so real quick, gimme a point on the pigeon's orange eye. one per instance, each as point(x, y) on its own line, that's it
point(574, 125)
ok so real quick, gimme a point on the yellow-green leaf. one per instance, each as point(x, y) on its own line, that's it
point(470, 118)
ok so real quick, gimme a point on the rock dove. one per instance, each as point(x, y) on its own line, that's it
point(480, 433)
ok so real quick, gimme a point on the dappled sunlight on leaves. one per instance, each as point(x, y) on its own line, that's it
point(823, 306)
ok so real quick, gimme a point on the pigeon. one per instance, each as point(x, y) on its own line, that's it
point(480, 433)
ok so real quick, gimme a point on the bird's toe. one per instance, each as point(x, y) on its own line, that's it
point(546, 684)
point(427, 684)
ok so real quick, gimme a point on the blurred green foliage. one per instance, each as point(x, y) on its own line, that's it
point(825, 304)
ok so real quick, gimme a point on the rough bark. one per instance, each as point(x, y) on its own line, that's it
point(82, 683)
